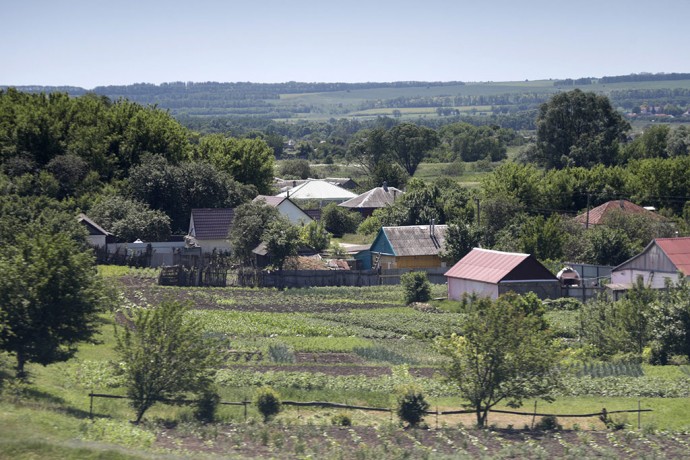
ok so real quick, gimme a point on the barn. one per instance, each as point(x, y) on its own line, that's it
point(489, 273)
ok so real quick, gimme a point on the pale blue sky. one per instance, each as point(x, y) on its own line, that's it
point(93, 42)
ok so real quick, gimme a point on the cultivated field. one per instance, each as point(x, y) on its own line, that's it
point(343, 345)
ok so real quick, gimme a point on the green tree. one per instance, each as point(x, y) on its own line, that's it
point(130, 220)
point(503, 354)
point(166, 355)
point(578, 129)
point(461, 238)
point(281, 239)
point(315, 236)
point(248, 226)
point(607, 246)
point(50, 294)
point(410, 144)
point(338, 220)
point(416, 287)
point(295, 169)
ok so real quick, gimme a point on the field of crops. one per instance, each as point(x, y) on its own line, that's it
point(343, 345)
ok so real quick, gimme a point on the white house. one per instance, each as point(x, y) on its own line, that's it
point(663, 259)
point(210, 228)
point(287, 208)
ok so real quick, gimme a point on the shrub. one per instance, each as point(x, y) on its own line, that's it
point(207, 405)
point(416, 287)
point(548, 423)
point(563, 304)
point(281, 353)
point(339, 220)
point(341, 420)
point(411, 405)
point(267, 402)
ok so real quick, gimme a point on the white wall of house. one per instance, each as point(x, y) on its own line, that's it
point(207, 246)
point(294, 214)
point(653, 279)
point(457, 287)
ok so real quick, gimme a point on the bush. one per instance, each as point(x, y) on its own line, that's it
point(548, 423)
point(281, 353)
point(341, 420)
point(411, 405)
point(268, 403)
point(207, 405)
point(563, 304)
point(416, 287)
point(339, 220)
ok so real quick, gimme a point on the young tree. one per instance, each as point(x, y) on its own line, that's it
point(338, 220)
point(315, 236)
point(504, 354)
point(50, 296)
point(166, 355)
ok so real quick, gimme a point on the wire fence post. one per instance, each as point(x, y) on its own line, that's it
point(535, 413)
point(91, 405)
point(639, 413)
point(437, 417)
point(244, 403)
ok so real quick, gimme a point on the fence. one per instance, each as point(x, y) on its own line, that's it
point(603, 415)
point(312, 278)
point(179, 275)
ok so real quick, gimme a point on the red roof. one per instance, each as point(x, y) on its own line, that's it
point(598, 215)
point(486, 265)
point(678, 250)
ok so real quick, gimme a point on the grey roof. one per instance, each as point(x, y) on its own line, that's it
point(416, 240)
point(378, 197)
point(94, 229)
point(270, 200)
point(211, 223)
point(285, 184)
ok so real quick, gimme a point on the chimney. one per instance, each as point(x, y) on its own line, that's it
point(385, 186)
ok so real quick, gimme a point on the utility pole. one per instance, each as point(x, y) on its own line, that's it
point(587, 222)
point(479, 220)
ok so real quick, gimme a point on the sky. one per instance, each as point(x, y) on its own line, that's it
point(91, 43)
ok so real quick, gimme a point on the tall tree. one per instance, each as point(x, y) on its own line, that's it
point(248, 226)
point(579, 129)
point(50, 295)
point(410, 144)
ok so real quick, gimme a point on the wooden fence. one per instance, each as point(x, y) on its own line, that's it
point(312, 278)
point(603, 414)
point(179, 275)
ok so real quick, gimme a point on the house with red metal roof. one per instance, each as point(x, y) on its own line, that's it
point(663, 260)
point(489, 273)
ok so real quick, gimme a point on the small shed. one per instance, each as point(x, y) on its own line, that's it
point(410, 246)
point(662, 260)
point(98, 237)
point(489, 273)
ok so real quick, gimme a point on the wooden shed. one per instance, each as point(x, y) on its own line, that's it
point(489, 273)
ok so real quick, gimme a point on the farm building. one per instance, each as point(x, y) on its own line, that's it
point(663, 259)
point(318, 190)
point(98, 237)
point(598, 215)
point(210, 228)
point(287, 208)
point(490, 273)
point(370, 201)
point(411, 246)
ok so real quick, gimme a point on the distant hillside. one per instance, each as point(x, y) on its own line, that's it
point(412, 99)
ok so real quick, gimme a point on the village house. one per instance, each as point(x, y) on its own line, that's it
point(411, 246)
point(209, 227)
point(663, 260)
point(374, 199)
point(598, 215)
point(287, 208)
point(319, 191)
point(489, 273)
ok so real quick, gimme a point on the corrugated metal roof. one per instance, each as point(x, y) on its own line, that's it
point(211, 223)
point(678, 250)
point(318, 190)
point(486, 265)
point(375, 198)
point(416, 240)
point(598, 215)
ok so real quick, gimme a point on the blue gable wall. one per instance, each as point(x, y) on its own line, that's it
point(381, 244)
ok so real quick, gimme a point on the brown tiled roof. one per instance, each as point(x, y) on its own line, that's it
point(212, 223)
point(494, 266)
point(378, 197)
point(598, 215)
point(416, 240)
